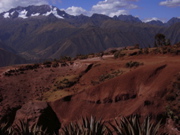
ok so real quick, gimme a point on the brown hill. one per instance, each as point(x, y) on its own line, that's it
point(143, 84)
point(8, 58)
point(48, 37)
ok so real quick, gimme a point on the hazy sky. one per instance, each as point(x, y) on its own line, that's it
point(144, 9)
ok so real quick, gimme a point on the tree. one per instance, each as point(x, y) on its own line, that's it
point(160, 40)
point(167, 42)
point(136, 46)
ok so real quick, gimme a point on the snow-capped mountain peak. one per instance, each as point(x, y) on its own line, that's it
point(23, 14)
point(151, 19)
point(53, 11)
point(34, 11)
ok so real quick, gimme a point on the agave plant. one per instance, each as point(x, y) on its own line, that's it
point(86, 127)
point(93, 126)
point(132, 126)
point(72, 129)
point(149, 128)
point(5, 130)
point(23, 128)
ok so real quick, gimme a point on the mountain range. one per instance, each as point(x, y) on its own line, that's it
point(44, 32)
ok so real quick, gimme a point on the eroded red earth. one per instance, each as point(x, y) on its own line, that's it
point(105, 88)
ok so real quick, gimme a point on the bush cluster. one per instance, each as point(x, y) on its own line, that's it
point(21, 70)
point(119, 54)
point(81, 57)
point(133, 64)
point(110, 75)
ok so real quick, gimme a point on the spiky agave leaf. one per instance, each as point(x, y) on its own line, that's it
point(5, 130)
point(149, 128)
point(23, 128)
point(93, 126)
point(132, 126)
point(72, 129)
point(86, 127)
point(127, 127)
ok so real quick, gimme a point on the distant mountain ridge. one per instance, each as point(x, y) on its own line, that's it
point(45, 32)
point(47, 10)
point(128, 18)
point(32, 11)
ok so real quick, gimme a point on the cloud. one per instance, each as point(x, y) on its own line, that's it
point(75, 11)
point(106, 7)
point(113, 7)
point(170, 3)
point(119, 12)
point(5, 5)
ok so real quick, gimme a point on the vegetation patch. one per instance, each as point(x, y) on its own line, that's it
point(133, 64)
point(21, 70)
point(64, 59)
point(119, 54)
point(60, 88)
point(66, 82)
point(111, 75)
point(54, 95)
point(82, 57)
point(173, 98)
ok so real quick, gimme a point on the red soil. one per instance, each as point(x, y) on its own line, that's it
point(138, 90)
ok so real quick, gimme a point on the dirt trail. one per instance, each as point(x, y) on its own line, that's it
point(105, 57)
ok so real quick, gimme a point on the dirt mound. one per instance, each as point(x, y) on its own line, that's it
point(140, 91)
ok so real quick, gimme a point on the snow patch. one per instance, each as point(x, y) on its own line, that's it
point(6, 15)
point(12, 12)
point(151, 19)
point(54, 12)
point(55, 9)
point(48, 13)
point(37, 14)
point(22, 14)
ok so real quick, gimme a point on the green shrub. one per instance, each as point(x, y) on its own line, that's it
point(105, 77)
point(82, 57)
point(134, 53)
point(55, 64)
point(110, 75)
point(66, 82)
point(140, 51)
point(113, 51)
point(65, 59)
point(119, 54)
point(47, 64)
point(146, 50)
point(133, 64)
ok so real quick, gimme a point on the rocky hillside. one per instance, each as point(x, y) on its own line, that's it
point(9, 57)
point(45, 32)
point(139, 81)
